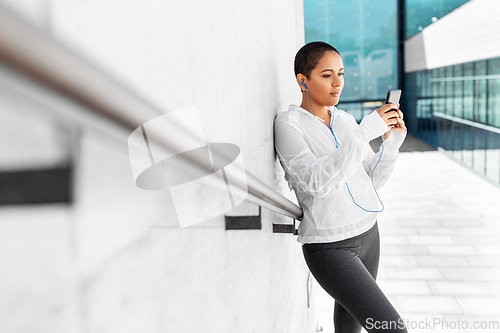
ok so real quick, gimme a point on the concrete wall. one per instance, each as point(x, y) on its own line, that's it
point(470, 32)
point(116, 260)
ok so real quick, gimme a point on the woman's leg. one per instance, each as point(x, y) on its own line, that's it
point(346, 270)
point(370, 256)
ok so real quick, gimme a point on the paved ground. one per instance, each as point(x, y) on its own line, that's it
point(440, 235)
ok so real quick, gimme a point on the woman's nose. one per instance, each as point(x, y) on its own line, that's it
point(336, 82)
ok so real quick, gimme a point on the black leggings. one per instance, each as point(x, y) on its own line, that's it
point(347, 270)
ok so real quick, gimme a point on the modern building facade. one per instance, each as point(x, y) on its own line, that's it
point(452, 85)
point(448, 68)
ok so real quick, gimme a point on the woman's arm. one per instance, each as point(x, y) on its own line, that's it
point(322, 176)
point(389, 155)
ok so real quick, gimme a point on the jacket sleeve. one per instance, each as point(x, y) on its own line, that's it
point(390, 153)
point(322, 176)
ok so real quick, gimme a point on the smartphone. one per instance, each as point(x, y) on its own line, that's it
point(393, 96)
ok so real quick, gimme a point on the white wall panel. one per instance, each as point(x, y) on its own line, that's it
point(415, 54)
point(234, 61)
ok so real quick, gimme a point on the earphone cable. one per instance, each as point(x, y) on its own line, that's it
point(337, 144)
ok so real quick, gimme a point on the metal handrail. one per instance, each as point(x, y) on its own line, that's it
point(63, 70)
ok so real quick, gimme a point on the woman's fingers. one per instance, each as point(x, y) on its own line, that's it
point(390, 117)
point(400, 126)
point(390, 114)
point(386, 107)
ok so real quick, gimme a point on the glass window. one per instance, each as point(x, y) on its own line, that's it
point(441, 133)
point(423, 108)
point(494, 93)
point(427, 84)
point(368, 44)
point(480, 91)
point(479, 150)
point(420, 83)
point(449, 91)
point(458, 144)
point(440, 105)
point(458, 87)
point(468, 91)
point(355, 109)
point(421, 13)
point(468, 146)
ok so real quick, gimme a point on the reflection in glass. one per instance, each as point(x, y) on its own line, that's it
point(458, 92)
point(459, 101)
point(480, 90)
point(479, 150)
point(419, 14)
point(368, 44)
point(493, 93)
point(468, 92)
point(449, 91)
point(493, 157)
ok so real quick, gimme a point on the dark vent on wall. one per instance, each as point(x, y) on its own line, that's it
point(41, 186)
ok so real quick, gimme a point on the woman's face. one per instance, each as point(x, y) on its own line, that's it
point(327, 80)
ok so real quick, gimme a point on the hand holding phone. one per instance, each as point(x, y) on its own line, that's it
point(391, 114)
point(396, 116)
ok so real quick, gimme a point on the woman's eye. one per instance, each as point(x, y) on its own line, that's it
point(341, 74)
point(326, 75)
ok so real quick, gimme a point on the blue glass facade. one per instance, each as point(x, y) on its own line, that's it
point(365, 33)
point(421, 13)
point(457, 108)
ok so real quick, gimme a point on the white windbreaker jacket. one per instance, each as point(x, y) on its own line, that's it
point(318, 171)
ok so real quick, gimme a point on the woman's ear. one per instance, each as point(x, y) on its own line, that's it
point(302, 81)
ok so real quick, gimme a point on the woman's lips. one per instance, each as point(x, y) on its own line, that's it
point(335, 94)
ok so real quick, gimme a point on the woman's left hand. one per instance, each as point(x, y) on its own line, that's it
point(398, 127)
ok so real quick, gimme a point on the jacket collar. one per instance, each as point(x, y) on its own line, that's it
point(294, 107)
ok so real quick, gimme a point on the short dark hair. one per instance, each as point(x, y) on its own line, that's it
point(309, 55)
